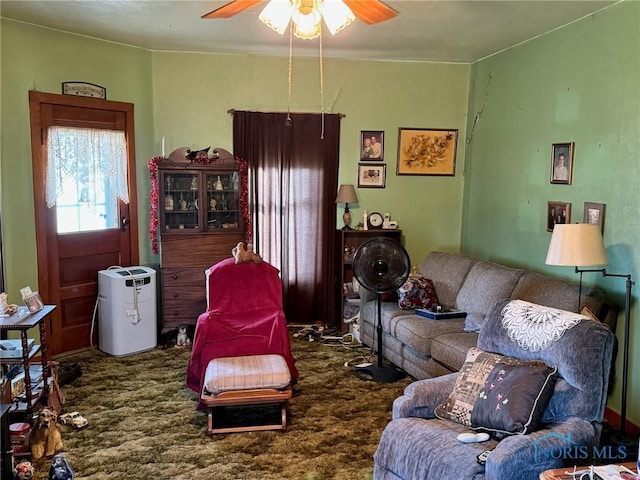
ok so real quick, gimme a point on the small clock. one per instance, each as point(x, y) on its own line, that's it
point(375, 220)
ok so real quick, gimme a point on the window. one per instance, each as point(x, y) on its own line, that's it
point(86, 174)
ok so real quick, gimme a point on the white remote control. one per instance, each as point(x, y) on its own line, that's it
point(473, 437)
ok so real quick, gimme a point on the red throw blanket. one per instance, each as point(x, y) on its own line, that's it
point(245, 317)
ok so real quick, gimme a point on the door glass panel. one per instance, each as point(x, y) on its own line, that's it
point(75, 214)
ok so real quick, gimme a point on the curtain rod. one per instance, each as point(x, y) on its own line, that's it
point(231, 111)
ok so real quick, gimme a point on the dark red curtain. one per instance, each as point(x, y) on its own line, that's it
point(293, 176)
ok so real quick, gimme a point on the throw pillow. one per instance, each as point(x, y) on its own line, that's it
point(417, 292)
point(514, 398)
point(471, 379)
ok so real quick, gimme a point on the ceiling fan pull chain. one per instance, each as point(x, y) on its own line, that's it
point(321, 88)
point(289, 81)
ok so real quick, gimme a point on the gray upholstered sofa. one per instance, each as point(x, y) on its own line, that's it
point(429, 348)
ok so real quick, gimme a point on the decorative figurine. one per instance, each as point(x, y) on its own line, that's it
point(60, 469)
point(218, 185)
point(194, 183)
point(168, 202)
point(212, 204)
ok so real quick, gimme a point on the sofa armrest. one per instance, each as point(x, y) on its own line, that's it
point(422, 397)
point(552, 447)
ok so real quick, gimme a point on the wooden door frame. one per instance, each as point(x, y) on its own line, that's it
point(46, 246)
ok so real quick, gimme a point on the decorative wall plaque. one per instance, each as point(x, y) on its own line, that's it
point(84, 89)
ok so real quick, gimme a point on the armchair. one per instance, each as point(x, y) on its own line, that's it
point(417, 444)
point(244, 317)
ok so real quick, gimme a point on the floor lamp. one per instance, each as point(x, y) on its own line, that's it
point(581, 245)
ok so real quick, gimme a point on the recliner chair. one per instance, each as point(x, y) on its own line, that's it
point(417, 444)
point(244, 317)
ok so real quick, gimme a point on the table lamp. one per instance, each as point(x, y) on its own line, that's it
point(346, 195)
point(581, 245)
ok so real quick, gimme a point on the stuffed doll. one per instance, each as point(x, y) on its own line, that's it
point(243, 255)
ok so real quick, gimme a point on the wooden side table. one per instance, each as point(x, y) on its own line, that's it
point(559, 473)
point(23, 321)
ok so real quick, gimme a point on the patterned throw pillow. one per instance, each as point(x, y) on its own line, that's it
point(470, 382)
point(417, 292)
point(514, 398)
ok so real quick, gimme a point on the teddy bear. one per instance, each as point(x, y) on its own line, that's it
point(243, 255)
point(46, 438)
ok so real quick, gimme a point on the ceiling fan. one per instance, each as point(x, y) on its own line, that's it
point(369, 11)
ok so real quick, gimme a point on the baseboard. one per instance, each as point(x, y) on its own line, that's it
point(613, 419)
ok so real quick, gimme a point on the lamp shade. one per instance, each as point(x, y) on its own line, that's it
point(576, 245)
point(347, 194)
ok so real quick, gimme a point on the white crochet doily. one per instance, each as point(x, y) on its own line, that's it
point(534, 326)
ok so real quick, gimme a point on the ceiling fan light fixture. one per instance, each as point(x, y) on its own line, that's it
point(336, 15)
point(306, 16)
point(277, 14)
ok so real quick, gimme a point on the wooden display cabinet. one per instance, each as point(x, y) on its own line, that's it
point(200, 221)
point(347, 243)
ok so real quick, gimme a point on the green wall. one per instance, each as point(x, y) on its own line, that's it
point(40, 59)
point(191, 104)
point(578, 84)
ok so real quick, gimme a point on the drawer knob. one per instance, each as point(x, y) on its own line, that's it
point(175, 314)
point(175, 295)
point(175, 277)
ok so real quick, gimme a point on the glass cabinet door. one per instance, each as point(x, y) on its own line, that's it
point(223, 202)
point(180, 192)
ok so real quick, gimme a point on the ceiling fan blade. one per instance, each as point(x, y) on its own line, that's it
point(230, 9)
point(370, 11)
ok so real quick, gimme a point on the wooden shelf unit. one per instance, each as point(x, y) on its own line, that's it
point(200, 221)
point(347, 243)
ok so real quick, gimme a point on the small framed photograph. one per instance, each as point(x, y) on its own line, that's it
point(33, 302)
point(557, 212)
point(371, 145)
point(594, 213)
point(423, 151)
point(562, 163)
point(372, 175)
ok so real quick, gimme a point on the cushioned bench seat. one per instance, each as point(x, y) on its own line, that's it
point(246, 380)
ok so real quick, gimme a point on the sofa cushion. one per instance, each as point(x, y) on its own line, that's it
point(417, 292)
point(451, 349)
point(513, 398)
point(485, 284)
point(447, 271)
point(419, 332)
point(556, 293)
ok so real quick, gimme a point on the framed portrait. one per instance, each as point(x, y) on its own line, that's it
point(561, 163)
point(372, 175)
point(423, 151)
point(557, 212)
point(371, 145)
point(33, 302)
point(594, 213)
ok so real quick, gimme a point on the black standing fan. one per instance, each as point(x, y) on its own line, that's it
point(381, 265)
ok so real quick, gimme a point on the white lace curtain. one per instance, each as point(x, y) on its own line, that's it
point(97, 158)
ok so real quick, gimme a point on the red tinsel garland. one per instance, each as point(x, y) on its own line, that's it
point(244, 198)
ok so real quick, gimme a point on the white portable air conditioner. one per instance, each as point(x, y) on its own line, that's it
point(127, 310)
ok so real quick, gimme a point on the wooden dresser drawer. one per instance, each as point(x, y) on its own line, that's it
point(179, 277)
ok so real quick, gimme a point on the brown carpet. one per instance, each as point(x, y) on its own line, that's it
point(143, 423)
